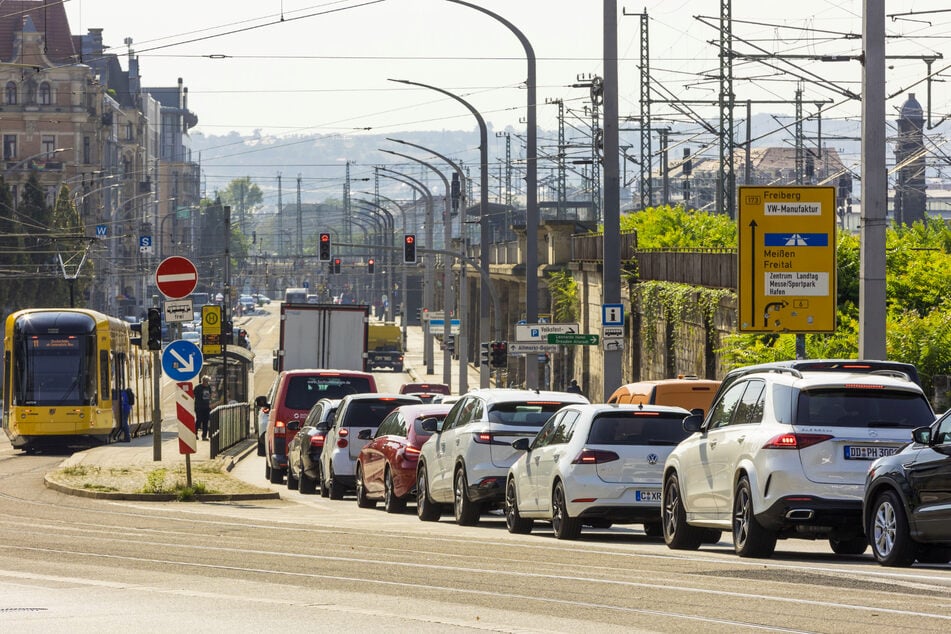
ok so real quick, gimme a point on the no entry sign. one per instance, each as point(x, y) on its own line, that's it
point(176, 277)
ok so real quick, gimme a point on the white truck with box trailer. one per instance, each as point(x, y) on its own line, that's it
point(323, 336)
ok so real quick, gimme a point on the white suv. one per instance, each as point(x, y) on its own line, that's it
point(466, 460)
point(784, 451)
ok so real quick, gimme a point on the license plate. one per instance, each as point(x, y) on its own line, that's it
point(647, 496)
point(858, 452)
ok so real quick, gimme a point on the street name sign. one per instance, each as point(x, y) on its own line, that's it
point(176, 277)
point(573, 339)
point(528, 333)
point(531, 348)
point(786, 276)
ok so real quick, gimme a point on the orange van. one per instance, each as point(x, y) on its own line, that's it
point(687, 392)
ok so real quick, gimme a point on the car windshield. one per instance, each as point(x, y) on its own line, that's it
point(637, 428)
point(849, 407)
point(304, 391)
point(523, 414)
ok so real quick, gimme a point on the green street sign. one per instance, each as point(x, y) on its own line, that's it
point(573, 339)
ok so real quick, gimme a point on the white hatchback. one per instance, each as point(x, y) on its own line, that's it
point(466, 461)
point(784, 452)
point(593, 465)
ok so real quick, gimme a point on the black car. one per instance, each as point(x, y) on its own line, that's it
point(303, 454)
point(907, 508)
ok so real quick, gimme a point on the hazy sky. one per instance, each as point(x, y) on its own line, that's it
point(324, 68)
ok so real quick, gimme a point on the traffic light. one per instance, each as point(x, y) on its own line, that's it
point(499, 354)
point(137, 329)
point(370, 265)
point(409, 248)
point(451, 344)
point(154, 329)
point(227, 333)
point(484, 347)
point(336, 265)
point(324, 250)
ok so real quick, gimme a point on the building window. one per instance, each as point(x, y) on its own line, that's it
point(86, 150)
point(48, 144)
point(129, 132)
point(46, 94)
point(9, 147)
point(11, 93)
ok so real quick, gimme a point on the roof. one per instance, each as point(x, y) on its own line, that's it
point(47, 18)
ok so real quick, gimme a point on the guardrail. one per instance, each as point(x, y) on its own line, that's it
point(229, 426)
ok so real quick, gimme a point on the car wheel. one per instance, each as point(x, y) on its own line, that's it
point(306, 484)
point(324, 485)
point(277, 476)
point(653, 529)
point(513, 521)
point(292, 482)
point(750, 539)
point(426, 509)
point(466, 511)
point(335, 490)
point(855, 545)
point(678, 533)
point(888, 531)
point(267, 468)
point(261, 451)
point(565, 526)
point(362, 500)
point(391, 503)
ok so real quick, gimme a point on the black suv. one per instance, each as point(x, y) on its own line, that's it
point(907, 508)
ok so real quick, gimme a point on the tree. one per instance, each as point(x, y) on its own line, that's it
point(678, 227)
point(12, 252)
point(242, 196)
point(35, 218)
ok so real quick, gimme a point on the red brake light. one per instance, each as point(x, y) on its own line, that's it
point(343, 432)
point(862, 386)
point(795, 441)
point(342, 442)
point(280, 427)
point(483, 438)
point(594, 456)
point(317, 441)
point(409, 453)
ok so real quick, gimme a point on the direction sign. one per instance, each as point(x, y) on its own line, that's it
point(787, 259)
point(182, 360)
point(531, 348)
point(538, 332)
point(436, 326)
point(573, 339)
point(176, 277)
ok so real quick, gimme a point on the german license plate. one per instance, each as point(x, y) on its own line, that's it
point(650, 495)
point(865, 452)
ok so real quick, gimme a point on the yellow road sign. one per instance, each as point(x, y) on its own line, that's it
point(210, 329)
point(786, 279)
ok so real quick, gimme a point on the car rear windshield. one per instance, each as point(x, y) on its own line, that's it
point(863, 408)
point(637, 428)
point(304, 391)
point(523, 414)
point(367, 413)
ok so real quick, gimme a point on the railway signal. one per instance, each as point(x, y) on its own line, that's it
point(325, 245)
point(409, 248)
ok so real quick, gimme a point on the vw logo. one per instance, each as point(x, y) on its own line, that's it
point(872, 434)
point(652, 458)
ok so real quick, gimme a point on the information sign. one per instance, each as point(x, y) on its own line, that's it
point(574, 339)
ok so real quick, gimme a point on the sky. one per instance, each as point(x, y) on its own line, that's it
point(304, 66)
point(308, 67)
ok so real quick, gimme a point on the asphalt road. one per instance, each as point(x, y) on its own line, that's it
point(306, 563)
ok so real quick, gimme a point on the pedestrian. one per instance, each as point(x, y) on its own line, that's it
point(202, 407)
point(573, 387)
point(126, 398)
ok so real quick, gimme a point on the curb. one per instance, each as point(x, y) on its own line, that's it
point(157, 497)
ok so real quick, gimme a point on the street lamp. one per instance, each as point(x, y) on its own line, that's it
point(483, 226)
point(23, 162)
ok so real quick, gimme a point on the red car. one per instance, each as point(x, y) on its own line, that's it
point(426, 391)
point(386, 466)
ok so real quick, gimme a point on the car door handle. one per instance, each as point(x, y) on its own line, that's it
point(713, 444)
point(741, 440)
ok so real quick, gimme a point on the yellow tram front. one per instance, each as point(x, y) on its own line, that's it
point(59, 376)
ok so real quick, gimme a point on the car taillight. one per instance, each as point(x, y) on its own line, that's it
point(317, 441)
point(280, 428)
point(483, 438)
point(594, 456)
point(342, 442)
point(410, 453)
point(795, 441)
point(343, 432)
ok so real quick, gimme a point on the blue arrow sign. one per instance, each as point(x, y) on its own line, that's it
point(182, 360)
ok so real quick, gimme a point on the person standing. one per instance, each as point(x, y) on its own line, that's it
point(574, 388)
point(202, 407)
point(125, 408)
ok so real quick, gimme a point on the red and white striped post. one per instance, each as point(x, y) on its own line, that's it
point(187, 439)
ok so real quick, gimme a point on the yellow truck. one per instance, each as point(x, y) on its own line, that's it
point(385, 346)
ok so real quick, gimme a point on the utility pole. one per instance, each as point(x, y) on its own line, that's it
point(725, 185)
point(647, 198)
point(280, 219)
point(300, 226)
point(562, 188)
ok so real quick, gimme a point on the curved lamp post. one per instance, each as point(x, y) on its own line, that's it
point(483, 208)
point(389, 257)
point(531, 185)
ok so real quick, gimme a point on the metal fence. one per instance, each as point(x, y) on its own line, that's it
point(229, 426)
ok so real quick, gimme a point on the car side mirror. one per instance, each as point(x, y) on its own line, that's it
point(429, 425)
point(261, 402)
point(293, 425)
point(365, 434)
point(522, 444)
point(922, 435)
point(697, 411)
point(323, 427)
point(693, 423)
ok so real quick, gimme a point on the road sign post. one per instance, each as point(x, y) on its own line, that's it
point(786, 277)
point(187, 439)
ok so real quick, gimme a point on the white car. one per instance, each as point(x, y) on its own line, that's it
point(193, 336)
point(784, 453)
point(593, 465)
point(467, 459)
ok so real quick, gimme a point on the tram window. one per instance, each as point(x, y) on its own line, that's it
point(104, 374)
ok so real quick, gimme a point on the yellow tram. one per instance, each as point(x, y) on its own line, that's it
point(62, 372)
